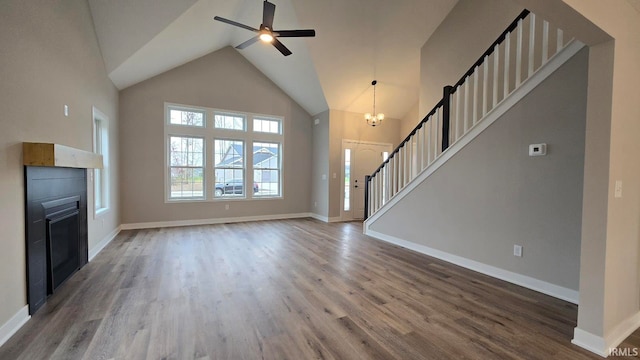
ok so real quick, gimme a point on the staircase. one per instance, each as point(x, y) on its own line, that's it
point(525, 54)
point(468, 215)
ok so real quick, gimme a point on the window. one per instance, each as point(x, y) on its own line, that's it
point(186, 117)
point(266, 125)
point(101, 176)
point(347, 179)
point(229, 168)
point(186, 170)
point(215, 154)
point(266, 169)
point(229, 121)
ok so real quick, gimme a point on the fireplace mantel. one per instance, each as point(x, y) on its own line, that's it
point(56, 155)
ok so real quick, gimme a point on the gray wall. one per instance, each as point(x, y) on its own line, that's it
point(492, 195)
point(50, 57)
point(320, 166)
point(225, 80)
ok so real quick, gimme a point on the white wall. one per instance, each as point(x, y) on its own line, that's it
point(610, 274)
point(223, 80)
point(492, 195)
point(320, 166)
point(50, 57)
point(410, 120)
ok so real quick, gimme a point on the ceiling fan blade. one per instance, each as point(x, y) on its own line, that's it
point(231, 22)
point(268, 11)
point(296, 33)
point(248, 42)
point(280, 46)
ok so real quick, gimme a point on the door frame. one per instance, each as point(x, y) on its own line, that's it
point(347, 215)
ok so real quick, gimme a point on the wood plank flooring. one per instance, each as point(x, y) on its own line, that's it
point(290, 289)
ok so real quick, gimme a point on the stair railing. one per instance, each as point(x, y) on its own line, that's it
point(490, 80)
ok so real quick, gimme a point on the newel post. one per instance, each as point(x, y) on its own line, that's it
point(446, 114)
point(367, 180)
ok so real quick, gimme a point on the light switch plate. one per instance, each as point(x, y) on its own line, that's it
point(618, 189)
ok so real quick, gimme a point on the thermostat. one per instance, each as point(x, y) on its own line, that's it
point(537, 149)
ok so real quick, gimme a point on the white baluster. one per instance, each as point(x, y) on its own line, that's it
point(437, 132)
point(496, 68)
point(507, 51)
point(378, 188)
point(466, 104)
point(559, 41)
point(430, 141)
point(394, 175)
point(407, 163)
point(519, 55)
point(532, 42)
point(421, 146)
point(459, 127)
point(545, 41)
point(372, 196)
point(485, 84)
point(475, 95)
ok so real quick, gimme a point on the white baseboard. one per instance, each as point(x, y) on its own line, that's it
point(103, 243)
point(14, 324)
point(588, 341)
point(319, 217)
point(622, 331)
point(528, 282)
point(163, 224)
point(325, 218)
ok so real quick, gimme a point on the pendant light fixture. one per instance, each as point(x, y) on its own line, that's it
point(374, 119)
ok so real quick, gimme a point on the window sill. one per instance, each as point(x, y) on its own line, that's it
point(100, 213)
point(221, 200)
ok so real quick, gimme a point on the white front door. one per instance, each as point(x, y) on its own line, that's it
point(359, 159)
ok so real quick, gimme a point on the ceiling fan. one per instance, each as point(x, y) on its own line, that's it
point(266, 32)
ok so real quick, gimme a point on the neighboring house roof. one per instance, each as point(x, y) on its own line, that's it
point(234, 155)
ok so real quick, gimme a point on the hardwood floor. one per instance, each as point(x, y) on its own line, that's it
point(290, 289)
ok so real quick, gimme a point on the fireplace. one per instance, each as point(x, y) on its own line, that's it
point(56, 229)
point(62, 240)
point(55, 178)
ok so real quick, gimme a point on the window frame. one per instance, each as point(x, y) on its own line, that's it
point(230, 114)
point(210, 133)
point(279, 168)
point(101, 147)
point(225, 168)
point(186, 109)
point(171, 167)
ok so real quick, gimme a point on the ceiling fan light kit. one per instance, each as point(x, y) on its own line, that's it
point(374, 119)
point(266, 33)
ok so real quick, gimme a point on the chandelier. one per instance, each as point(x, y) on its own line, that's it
point(374, 119)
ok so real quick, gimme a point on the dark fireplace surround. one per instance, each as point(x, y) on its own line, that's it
point(56, 228)
point(55, 178)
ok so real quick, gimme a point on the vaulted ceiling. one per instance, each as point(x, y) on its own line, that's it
point(357, 41)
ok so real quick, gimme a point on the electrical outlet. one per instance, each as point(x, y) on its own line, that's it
point(517, 250)
point(226, 206)
point(315, 204)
